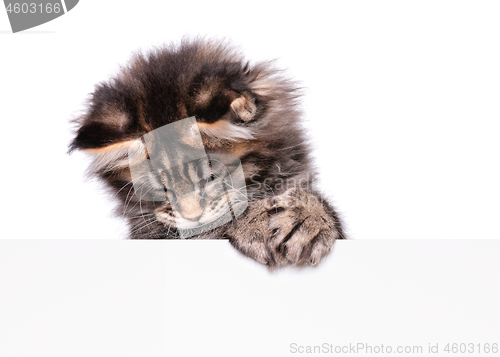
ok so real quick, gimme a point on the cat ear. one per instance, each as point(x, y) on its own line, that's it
point(100, 130)
point(244, 107)
point(105, 124)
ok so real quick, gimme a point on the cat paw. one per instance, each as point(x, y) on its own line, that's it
point(301, 230)
point(294, 228)
point(244, 106)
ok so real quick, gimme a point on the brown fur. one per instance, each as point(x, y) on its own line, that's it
point(249, 111)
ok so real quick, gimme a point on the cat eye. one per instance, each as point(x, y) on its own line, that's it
point(205, 181)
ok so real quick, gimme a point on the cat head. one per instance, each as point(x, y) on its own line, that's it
point(238, 109)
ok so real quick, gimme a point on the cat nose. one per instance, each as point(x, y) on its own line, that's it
point(190, 208)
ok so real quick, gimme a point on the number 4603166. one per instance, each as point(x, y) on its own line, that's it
point(32, 8)
point(471, 348)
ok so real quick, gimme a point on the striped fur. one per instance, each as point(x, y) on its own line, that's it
point(246, 110)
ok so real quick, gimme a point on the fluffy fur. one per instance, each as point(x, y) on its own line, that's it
point(249, 111)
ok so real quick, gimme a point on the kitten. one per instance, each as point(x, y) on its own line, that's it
point(196, 142)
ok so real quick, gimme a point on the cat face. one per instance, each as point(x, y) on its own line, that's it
point(243, 116)
point(199, 192)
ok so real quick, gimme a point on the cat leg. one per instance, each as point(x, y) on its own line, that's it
point(249, 232)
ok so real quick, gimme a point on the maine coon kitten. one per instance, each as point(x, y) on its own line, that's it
point(241, 116)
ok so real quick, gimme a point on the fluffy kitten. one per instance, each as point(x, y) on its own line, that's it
point(242, 111)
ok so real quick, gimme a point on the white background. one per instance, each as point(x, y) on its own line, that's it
point(402, 105)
